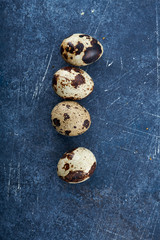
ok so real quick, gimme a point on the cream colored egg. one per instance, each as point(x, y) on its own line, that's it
point(72, 83)
point(76, 166)
point(70, 118)
point(81, 49)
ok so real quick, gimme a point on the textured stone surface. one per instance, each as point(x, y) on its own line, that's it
point(121, 200)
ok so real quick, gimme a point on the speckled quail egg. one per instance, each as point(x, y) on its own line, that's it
point(76, 166)
point(81, 49)
point(72, 83)
point(70, 118)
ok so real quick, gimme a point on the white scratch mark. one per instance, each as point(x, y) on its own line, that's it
point(101, 17)
point(150, 149)
point(46, 57)
point(158, 149)
point(128, 178)
point(131, 133)
point(157, 220)
point(126, 149)
point(116, 234)
point(112, 90)
point(35, 91)
point(150, 72)
point(121, 63)
point(158, 116)
point(110, 139)
point(113, 102)
point(91, 100)
point(9, 181)
point(131, 121)
point(109, 64)
point(19, 175)
point(48, 66)
point(39, 84)
point(102, 119)
point(149, 219)
point(92, 11)
point(136, 130)
point(82, 13)
point(155, 151)
point(158, 53)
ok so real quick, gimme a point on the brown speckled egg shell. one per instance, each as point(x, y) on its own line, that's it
point(76, 166)
point(72, 83)
point(81, 49)
point(70, 118)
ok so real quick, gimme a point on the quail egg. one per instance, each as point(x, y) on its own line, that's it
point(76, 166)
point(81, 49)
point(70, 118)
point(72, 83)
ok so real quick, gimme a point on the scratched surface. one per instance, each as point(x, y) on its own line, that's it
point(121, 200)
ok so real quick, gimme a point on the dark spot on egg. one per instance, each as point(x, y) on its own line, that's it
point(70, 98)
point(71, 47)
point(86, 123)
point(84, 35)
point(77, 70)
point(94, 41)
point(68, 69)
point(54, 80)
point(91, 171)
point(75, 176)
point(56, 122)
point(79, 48)
point(69, 155)
point(91, 54)
point(79, 79)
point(65, 56)
point(67, 106)
point(92, 88)
point(67, 132)
point(75, 127)
point(66, 116)
point(62, 49)
point(67, 49)
point(66, 167)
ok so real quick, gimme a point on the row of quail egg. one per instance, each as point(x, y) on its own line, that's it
point(69, 117)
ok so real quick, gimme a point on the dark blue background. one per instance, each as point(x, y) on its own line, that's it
point(121, 200)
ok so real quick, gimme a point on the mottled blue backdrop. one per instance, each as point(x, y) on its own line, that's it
point(121, 200)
